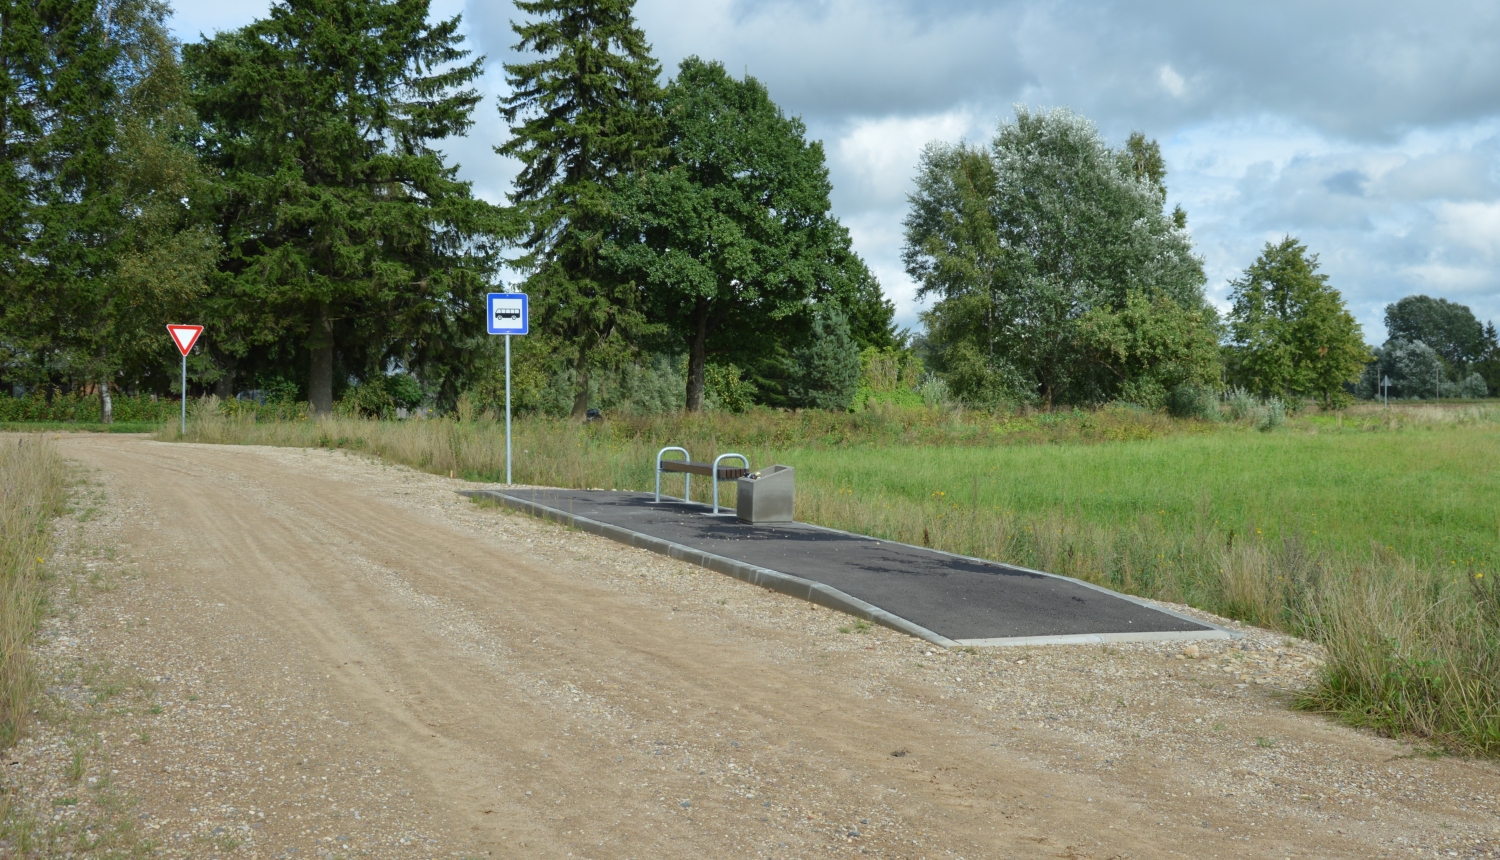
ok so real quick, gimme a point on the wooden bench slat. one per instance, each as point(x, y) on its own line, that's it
point(726, 473)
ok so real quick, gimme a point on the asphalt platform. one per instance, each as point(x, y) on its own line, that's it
point(947, 599)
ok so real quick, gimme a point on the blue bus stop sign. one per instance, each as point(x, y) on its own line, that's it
point(507, 313)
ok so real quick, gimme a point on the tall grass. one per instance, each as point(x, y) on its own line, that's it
point(1293, 529)
point(32, 492)
point(1411, 655)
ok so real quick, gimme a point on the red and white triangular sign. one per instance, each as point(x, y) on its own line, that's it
point(185, 336)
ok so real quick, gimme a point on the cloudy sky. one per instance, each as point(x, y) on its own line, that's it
point(1370, 130)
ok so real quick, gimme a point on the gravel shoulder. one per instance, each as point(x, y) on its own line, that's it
point(267, 652)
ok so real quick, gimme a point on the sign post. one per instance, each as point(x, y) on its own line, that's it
point(507, 314)
point(184, 336)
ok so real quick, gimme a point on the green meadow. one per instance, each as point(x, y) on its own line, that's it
point(1428, 493)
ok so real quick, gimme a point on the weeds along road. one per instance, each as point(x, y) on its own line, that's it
point(350, 660)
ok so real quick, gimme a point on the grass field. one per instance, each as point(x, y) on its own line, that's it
point(1374, 531)
point(31, 493)
point(1427, 493)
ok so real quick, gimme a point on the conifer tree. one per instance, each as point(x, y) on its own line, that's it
point(582, 113)
point(348, 239)
point(97, 243)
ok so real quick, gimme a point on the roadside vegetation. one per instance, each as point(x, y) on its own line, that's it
point(1370, 530)
point(1073, 400)
point(32, 492)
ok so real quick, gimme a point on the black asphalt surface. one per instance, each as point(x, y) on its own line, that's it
point(956, 597)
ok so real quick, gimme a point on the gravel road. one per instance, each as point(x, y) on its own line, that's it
point(291, 653)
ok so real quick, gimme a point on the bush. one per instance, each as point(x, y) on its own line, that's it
point(888, 376)
point(726, 390)
point(1473, 387)
point(1193, 401)
point(380, 396)
point(1241, 404)
point(1270, 414)
point(934, 392)
point(84, 408)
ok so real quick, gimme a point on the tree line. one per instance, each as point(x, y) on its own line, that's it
point(284, 184)
point(1059, 276)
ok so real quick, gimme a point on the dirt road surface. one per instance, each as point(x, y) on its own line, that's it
point(317, 655)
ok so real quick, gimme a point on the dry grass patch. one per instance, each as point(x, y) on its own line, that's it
point(32, 492)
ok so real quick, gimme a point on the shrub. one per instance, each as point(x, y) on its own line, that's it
point(1241, 404)
point(934, 392)
point(1473, 387)
point(381, 395)
point(84, 408)
point(1270, 414)
point(1193, 401)
point(889, 376)
point(726, 390)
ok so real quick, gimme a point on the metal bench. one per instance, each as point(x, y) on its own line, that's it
point(688, 468)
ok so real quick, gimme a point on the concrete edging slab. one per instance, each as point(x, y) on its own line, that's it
point(1102, 638)
point(833, 598)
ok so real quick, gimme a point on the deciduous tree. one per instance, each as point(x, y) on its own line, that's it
point(732, 237)
point(98, 243)
point(1448, 327)
point(1024, 240)
point(1290, 332)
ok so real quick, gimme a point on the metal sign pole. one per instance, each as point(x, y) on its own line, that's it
point(184, 394)
point(507, 315)
point(507, 410)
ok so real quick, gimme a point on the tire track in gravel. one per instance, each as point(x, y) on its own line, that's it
point(535, 695)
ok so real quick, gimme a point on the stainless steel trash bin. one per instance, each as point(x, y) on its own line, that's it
point(766, 496)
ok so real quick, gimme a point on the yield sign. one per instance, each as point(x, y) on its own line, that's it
point(185, 336)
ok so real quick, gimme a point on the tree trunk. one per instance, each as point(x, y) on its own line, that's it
point(320, 370)
point(224, 386)
point(697, 356)
point(106, 406)
point(581, 387)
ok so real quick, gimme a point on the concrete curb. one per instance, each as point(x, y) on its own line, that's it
point(833, 598)
point(1104, 638)
point(785, 583)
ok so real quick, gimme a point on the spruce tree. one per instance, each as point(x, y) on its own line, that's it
point(349, 242)
point(60, 91)
point(582, 113)
point(97, 244)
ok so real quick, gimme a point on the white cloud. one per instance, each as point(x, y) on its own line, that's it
point(882, 154)
point(1172, 82)
point(1472, 225)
